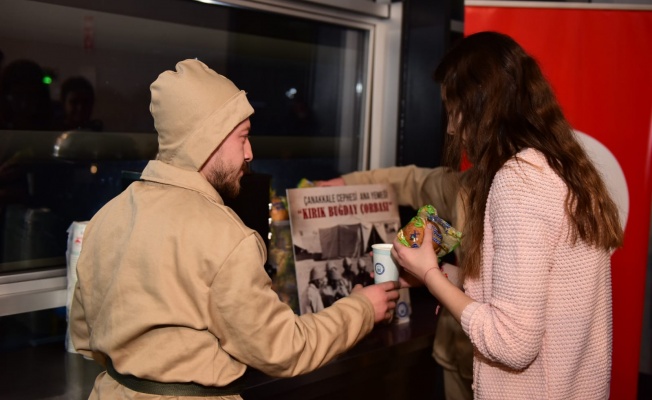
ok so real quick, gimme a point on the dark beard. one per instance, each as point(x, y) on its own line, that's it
point(226, 181)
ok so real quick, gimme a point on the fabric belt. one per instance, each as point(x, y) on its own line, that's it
point(174, 389)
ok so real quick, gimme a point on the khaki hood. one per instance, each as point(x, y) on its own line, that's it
point(194, 110)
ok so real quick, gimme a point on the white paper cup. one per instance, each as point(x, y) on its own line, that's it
point(403, 306)
point(384, 267)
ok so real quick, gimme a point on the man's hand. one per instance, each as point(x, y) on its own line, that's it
point(331, 182)
point(383, 297)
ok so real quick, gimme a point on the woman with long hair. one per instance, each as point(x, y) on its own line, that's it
point(539, 232)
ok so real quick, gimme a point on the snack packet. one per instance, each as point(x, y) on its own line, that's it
point(279, 209)
point(445, 238)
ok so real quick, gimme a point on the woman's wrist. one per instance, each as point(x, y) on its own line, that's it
point(425, 275)
point(428, 275)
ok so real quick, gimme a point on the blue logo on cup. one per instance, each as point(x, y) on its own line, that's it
point(379, 268)
point(402, 309)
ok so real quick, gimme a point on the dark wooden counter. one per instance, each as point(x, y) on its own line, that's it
point(394, 362)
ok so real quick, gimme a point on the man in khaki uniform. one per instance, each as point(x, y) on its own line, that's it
point(440, 187)
point(172, 296)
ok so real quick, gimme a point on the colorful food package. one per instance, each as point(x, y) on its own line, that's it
point(278, 209)
point(305, 183)
point(445, 238)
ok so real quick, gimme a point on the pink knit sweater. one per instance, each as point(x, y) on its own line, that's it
point(541, 323)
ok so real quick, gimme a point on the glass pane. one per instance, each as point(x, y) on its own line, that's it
point(74, 117)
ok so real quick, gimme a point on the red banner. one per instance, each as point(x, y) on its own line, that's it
point(600, 65)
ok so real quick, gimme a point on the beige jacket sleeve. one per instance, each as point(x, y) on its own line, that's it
point(416, 187)
point(259, 330)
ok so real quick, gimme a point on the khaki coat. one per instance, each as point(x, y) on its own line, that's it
point(171, 286)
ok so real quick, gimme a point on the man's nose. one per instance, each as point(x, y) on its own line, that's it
point(248, 153)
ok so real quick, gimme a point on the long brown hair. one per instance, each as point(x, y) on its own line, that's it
point(496, 94)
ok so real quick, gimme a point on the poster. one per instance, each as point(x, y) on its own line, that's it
point(332, 230)
point(593, 56)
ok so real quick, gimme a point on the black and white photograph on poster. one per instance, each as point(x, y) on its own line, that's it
point(333, 229)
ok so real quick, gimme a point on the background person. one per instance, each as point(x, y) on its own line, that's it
point(339, 285)
point(24, 98)
point(333, 290)
point(348, 274)
point(318, 281)
point(172, 295)
point(363, 277)
point(77, 101)
point(539, 231)
point(440, 187)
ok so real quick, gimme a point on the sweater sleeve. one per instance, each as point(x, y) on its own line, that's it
point(521, 221)
point(259, 330)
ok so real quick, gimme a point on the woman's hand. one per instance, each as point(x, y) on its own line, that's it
point(416, 261)
point(422, 264)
